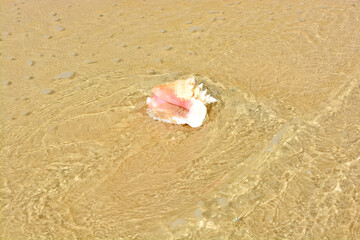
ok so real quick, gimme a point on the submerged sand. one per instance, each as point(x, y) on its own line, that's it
point(277, 157)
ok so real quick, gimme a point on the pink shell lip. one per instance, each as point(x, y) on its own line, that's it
point(179, 102)
point(170, 97)
point(155, 101)
point(178, 93)
point(166, 112)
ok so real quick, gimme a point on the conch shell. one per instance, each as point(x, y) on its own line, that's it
point(179, 102)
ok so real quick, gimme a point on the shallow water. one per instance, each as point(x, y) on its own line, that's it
point(277, 156)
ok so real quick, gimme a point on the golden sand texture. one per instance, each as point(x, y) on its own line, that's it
point(276, 158)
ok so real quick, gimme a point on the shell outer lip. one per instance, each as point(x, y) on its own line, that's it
point(193, 118)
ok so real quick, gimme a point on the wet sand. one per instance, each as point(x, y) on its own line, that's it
point(278, 156)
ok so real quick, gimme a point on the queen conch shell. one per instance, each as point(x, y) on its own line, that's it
point(179, 102)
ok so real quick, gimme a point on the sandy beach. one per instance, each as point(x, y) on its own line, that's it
point(277, 157)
